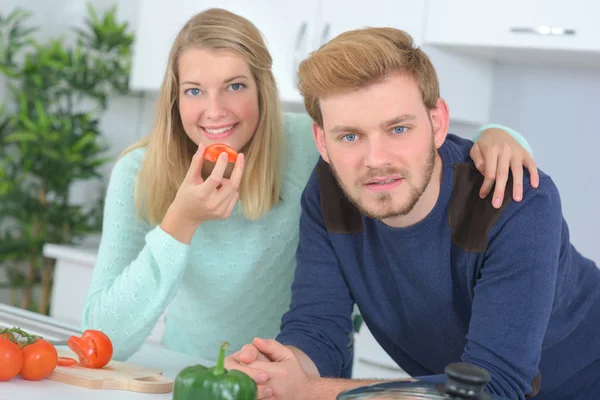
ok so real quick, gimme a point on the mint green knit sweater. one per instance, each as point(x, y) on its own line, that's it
point(231, 283)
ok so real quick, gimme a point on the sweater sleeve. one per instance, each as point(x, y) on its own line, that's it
point(514, 293)
point(318, 321)
point(137, 271)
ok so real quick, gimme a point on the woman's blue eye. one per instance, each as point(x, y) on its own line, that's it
point(236, 86)
point(399, 129)
point(351, 137)
point(193, 92)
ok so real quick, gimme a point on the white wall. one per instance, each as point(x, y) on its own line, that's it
point(556, 108)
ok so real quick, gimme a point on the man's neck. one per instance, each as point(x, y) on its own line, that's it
point(425, 204)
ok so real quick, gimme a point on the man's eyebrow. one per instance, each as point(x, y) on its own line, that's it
point(398, 120)
point(344, 128)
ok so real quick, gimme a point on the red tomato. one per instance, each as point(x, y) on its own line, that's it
point(213, 151)
point(39, 360)
point(94, 348)
point(66, 361)
point(11, 359)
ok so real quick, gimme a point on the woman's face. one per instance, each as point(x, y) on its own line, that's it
point(218, 97)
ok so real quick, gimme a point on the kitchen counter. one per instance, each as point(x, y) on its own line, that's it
point(150, 355)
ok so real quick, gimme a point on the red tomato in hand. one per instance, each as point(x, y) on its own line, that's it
point(213, 151)
point(39, 360)
point(11, 359)
point(94, 348)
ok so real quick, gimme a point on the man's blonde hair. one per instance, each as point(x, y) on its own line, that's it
point(169, 150)
point(361, 57)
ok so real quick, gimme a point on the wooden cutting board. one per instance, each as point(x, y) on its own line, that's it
point(114, 376)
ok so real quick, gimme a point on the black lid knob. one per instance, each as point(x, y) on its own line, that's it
point(466, 381)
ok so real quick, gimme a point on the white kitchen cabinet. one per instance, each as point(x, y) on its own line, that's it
point(338, 16)
point(72, 278)
point(293, 29)
point(530, 31)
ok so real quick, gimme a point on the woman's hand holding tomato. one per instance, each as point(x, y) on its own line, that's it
point(199, 200)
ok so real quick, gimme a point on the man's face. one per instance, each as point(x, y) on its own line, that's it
point(381, 144)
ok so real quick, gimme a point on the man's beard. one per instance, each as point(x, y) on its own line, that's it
point(385, 199)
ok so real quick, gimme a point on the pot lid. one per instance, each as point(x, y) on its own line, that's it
point(465, 381)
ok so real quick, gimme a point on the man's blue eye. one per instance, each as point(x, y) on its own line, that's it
point(399, 129)
point(349, 137)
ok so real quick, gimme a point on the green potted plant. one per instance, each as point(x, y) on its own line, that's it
point(50, 139)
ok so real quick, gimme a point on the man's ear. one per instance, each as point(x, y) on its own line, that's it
point(319, 135)
point(440, 121)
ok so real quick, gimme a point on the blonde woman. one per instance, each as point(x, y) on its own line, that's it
point(219, 252)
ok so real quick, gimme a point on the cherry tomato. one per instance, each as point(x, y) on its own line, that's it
point(213, 151)
point(39, 360)
point(11, 359)
point(66, 361)
point(94, 348)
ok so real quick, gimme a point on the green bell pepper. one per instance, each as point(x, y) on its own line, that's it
point(197, 382)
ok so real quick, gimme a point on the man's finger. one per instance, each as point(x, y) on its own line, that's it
point(247, 354)
point(257, 375)
point(264, 392)
point(272, 349)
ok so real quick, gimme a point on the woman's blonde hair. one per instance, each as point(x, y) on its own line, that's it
point(357, 58)
point(169, 150)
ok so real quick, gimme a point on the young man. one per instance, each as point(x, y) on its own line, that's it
point(392, 221)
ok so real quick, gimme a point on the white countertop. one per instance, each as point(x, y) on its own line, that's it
point(151, 356)
point(84, 253)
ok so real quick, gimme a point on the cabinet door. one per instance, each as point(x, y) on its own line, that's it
point(288, 28)
point(464, 82)
point(531, 24)
point(338, 16)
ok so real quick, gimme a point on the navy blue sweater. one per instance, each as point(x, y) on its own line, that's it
point(503, 289)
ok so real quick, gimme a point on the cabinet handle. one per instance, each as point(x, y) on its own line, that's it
point(325, 33)
point(298, 54)
point(301, 34)
point(544, 30)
